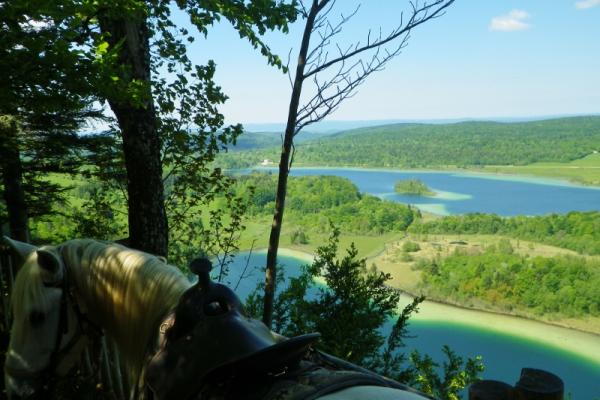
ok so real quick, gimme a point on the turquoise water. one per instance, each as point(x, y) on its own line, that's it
point(460, 193)
point(504, 355)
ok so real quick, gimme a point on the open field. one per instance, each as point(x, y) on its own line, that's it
point(257, 232)
point(584, 171)
point(394, 260)
point(399, 264)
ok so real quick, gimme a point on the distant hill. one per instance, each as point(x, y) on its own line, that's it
point(334, 126)
point(412, 145)
point(259, 140)
point(255, 140)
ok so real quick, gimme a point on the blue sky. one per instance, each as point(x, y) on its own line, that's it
point(483, 59)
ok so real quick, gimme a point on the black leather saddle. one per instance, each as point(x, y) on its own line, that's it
point(212, 339)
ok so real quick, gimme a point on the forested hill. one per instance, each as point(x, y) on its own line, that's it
point(458, 144)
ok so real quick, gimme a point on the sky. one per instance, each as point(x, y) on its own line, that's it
point(484, 59)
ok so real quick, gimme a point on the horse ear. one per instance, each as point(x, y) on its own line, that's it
point(21, 249)
point(48, 261)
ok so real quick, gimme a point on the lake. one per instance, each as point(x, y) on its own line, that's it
point(503, 354)
point(460, 193)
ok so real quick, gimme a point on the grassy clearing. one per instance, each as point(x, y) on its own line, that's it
point(394, 259)
point(399, 264)
point(258, 229)
point(584, 171)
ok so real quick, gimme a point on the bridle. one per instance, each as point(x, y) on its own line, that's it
point(85, 328)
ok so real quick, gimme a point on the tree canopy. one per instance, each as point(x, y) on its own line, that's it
point(132, 55)
point(452, 144)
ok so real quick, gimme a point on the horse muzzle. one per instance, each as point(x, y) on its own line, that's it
point(24, 385)
point(23, 389)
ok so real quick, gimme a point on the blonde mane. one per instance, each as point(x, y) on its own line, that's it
point(28, 292)
point(127, 292)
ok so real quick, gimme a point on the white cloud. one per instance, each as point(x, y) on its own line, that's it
point(582, 5)
point(513, 21)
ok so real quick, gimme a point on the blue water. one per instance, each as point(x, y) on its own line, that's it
point(503, 355)
point(467, 193)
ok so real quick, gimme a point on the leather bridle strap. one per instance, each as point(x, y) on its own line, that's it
point(62, 329)
point(63, 326)
point(59, 354)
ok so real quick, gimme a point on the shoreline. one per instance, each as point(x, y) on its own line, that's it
point(582, 343)
point(475, 172)
point(302, 255)
point(506, 314)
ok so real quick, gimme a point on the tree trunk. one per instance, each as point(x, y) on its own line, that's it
point(271, 269)
point(284, 169)
point(148, 227)
point(12, 177)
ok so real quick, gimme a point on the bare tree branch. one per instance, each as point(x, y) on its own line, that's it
point(335, 78)
point(420, 15)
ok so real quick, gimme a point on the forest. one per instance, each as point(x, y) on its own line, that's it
point(315, 201)
point(577, 231)
point(565, 286)
point(439, 145)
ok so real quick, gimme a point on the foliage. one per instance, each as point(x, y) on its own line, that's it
point(455, 376)
point(562, 286)
point(439, 145)
point(96, 217)
point(299, 237)
point(210, 227)
point(190, 126)
point(356, 298)
point(391, 360)
point(315, 200)
point(78, 49)
point(410, 247)
point(42, 106)
point(347, 310)
point(579, 231)
point(413, 187)
point(55, 228)
point(348, 303)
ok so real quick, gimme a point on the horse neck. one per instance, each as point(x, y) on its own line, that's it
point(128, 293)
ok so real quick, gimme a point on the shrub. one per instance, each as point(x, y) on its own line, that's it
point(410, 247)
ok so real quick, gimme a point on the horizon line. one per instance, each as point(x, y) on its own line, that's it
point(408, 119)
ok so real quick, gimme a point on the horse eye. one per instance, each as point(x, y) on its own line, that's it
point(36, 318)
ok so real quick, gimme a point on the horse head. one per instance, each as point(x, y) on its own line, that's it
point(44, 325)
point(211, 338)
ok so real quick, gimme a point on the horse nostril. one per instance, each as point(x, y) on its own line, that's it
point(215, 308)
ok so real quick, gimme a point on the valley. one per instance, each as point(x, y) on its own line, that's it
point(513, 224)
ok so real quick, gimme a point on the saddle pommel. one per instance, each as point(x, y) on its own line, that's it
point(202, 266)
point(213, 340)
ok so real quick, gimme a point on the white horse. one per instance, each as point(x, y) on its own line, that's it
point(128, 293)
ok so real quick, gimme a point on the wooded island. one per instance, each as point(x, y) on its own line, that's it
point(413, 187)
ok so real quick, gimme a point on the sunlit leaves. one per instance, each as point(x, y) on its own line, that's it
point(92, 35)
point(456, 374)
point(101, 49)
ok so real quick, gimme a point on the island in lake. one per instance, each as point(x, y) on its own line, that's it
point(413, 187)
